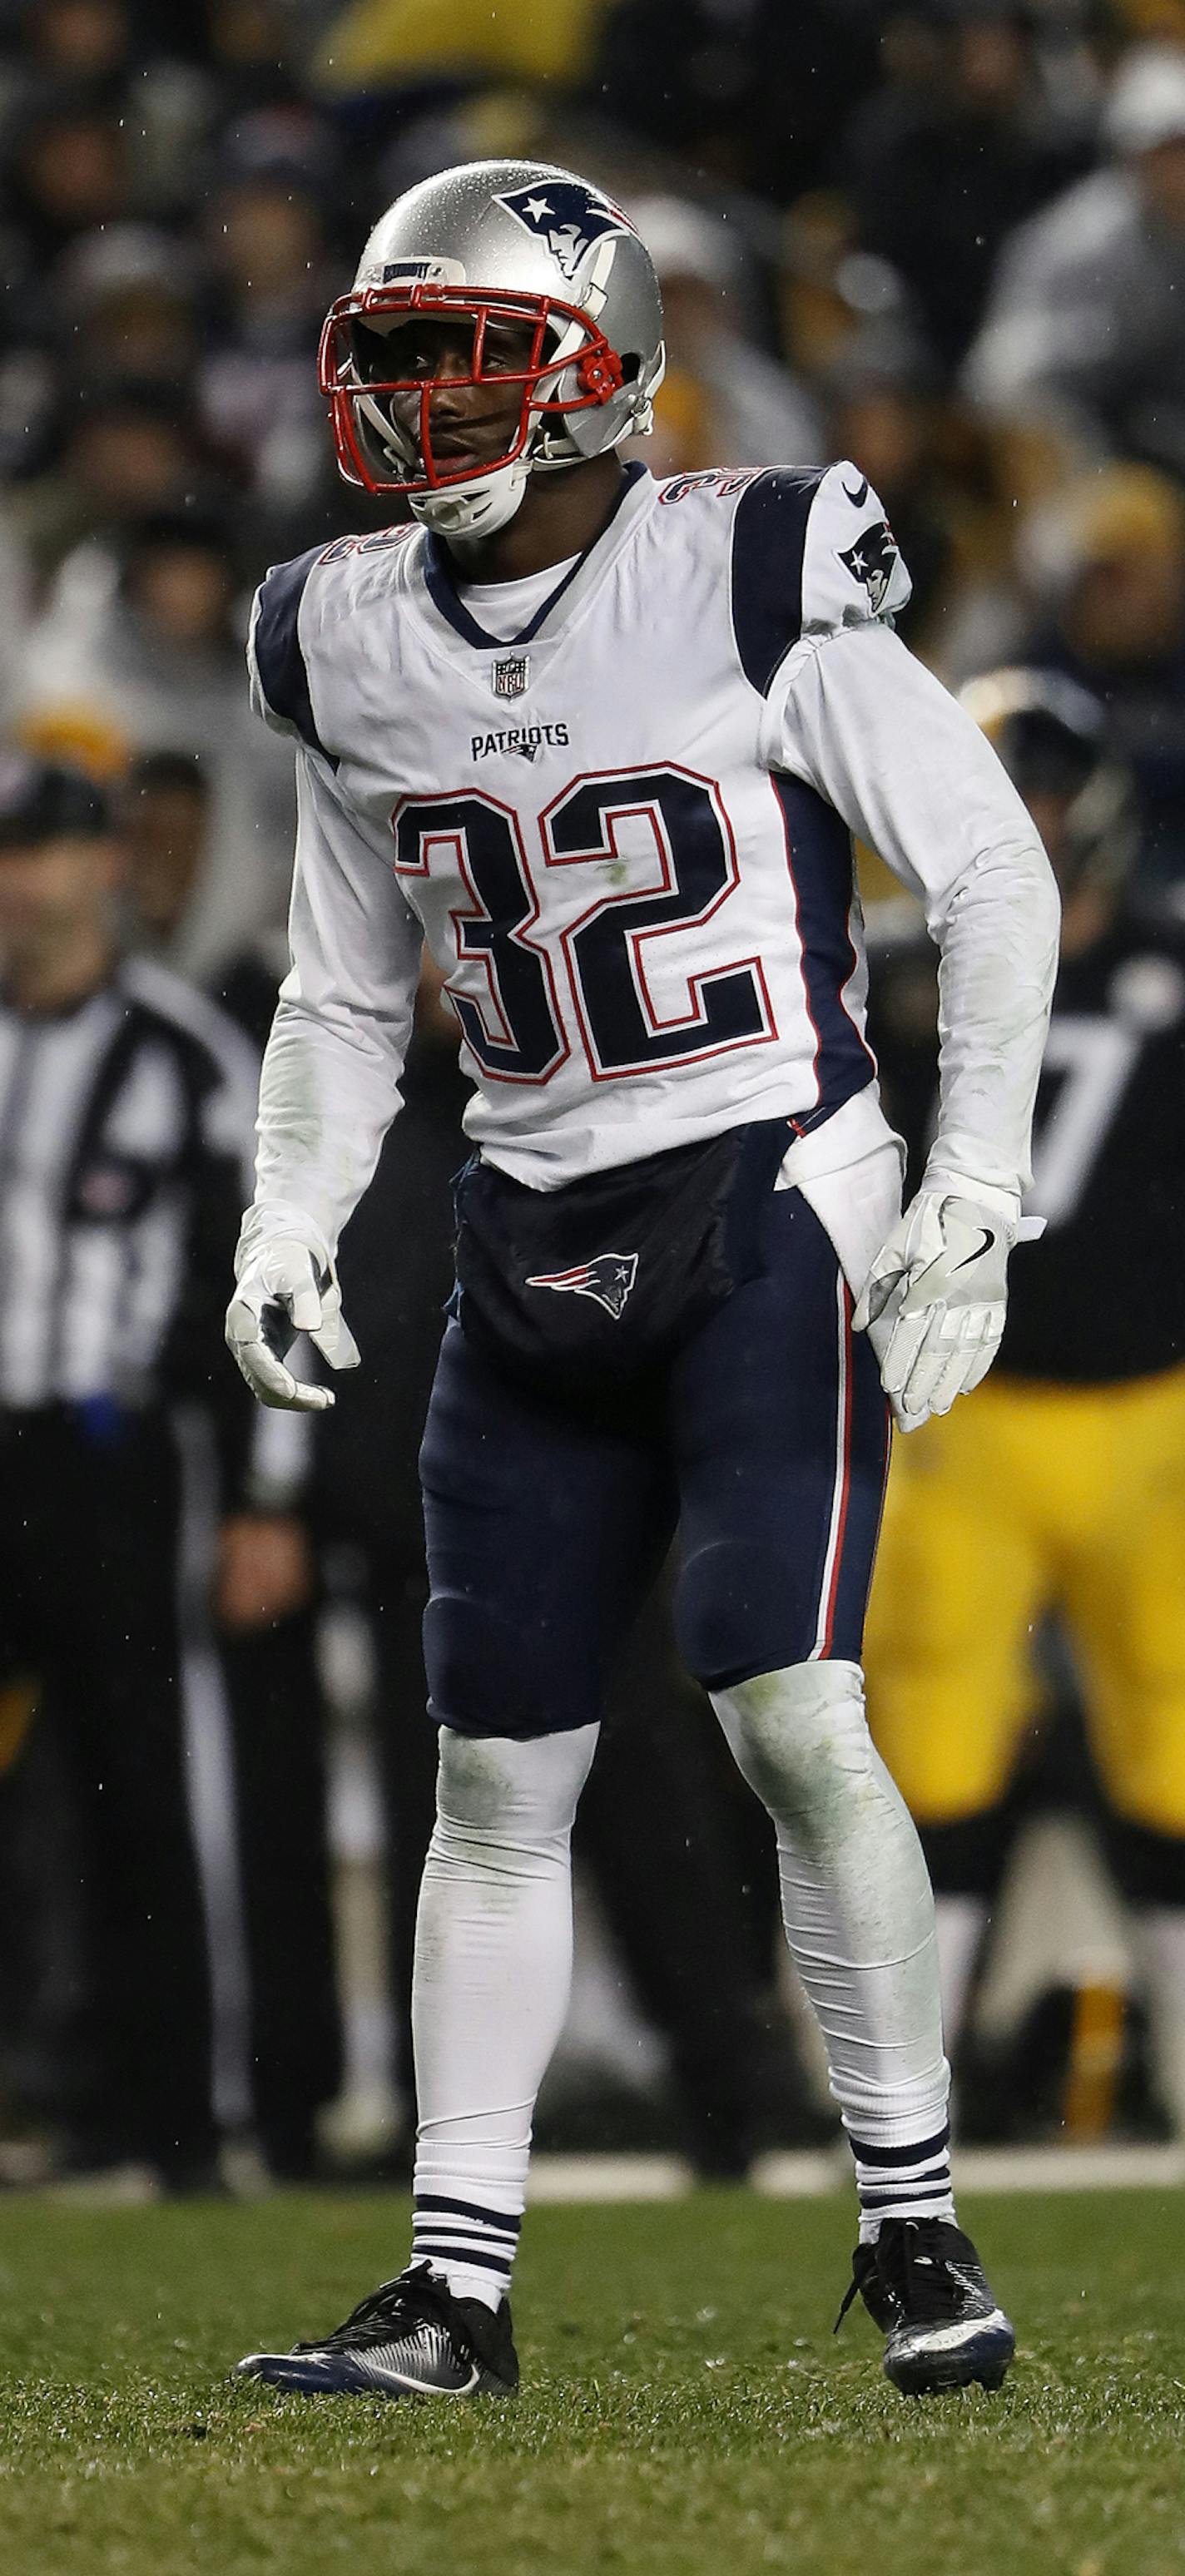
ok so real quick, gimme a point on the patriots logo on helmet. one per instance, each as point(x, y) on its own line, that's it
point(873, 560)
point(609, 1278)
point(567, 216)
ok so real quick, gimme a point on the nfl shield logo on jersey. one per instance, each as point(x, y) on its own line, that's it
point(511, 676)
point(608, 1278)
point(567, 216)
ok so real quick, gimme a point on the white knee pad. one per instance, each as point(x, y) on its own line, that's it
point(800, 1738)
point(856, 1900)
point(510, 1793)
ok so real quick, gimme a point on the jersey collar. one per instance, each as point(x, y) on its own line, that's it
point(440, 583)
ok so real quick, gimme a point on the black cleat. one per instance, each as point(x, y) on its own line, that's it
point(410, 2338)
point(923, 2284)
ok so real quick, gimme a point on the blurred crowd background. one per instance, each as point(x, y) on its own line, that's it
point(946, 240)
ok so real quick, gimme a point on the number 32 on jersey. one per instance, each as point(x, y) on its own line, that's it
point(505, 986)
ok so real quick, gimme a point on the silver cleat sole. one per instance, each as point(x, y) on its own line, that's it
point(977, 2352)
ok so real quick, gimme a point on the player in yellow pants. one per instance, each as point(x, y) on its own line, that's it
point(1028, 1498)
point(1059, 1486)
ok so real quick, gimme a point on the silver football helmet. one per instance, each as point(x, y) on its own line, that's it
point(491, 243)
point(1052, 737)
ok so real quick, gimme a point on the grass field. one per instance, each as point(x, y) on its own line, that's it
point(686, 2411)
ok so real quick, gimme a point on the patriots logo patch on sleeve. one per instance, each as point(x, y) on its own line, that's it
point(872, 560)
point(608, 1278)
point(567, 216)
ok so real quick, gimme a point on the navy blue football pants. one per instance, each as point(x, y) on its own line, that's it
point(765, 1443)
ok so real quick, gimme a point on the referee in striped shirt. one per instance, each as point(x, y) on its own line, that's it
point(126, 1123)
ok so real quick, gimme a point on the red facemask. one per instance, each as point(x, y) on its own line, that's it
point(597, 368)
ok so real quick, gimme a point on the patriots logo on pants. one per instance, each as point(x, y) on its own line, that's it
point(567, 216)
point(609, 1278)
point(872, 560)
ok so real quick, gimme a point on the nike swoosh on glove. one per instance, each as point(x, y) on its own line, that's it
point(281, 1293)
point(934, 1302)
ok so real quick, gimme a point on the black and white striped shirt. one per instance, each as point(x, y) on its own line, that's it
point(126, 1147)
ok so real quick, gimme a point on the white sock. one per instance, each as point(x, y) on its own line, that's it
point(960, 1922)
point(493, 1968)
point(859, 1918)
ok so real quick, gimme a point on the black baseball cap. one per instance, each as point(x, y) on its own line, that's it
point(43, 800)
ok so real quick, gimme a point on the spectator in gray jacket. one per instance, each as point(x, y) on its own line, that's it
point(144, 647)
point(1084, 333)
point(738, 402)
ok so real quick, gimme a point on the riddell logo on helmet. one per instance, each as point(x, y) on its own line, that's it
point(565, 215)
point(414, 272)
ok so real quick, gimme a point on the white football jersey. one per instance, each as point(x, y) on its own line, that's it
point(626, 836)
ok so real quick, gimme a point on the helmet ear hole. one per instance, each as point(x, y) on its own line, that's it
point(631, 366)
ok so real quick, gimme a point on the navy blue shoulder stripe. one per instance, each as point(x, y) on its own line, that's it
point(768, 538)
point(279, 660)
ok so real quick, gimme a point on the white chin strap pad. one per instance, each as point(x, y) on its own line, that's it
point(477, 508)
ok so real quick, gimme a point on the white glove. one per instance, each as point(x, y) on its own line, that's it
point(281, 1293)
point(934, 1301)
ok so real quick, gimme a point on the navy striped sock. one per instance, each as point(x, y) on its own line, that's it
point(911, 2181)
point(474, 2247)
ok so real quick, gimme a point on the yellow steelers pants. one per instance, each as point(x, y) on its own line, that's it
point(1029, 1498)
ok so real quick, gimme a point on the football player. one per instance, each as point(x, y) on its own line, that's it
point(603, 741)
point(1062, 1487)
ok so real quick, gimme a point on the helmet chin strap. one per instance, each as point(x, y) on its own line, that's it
point(477, 508)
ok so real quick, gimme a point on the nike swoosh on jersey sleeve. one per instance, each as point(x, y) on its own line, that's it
point(852, 569)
